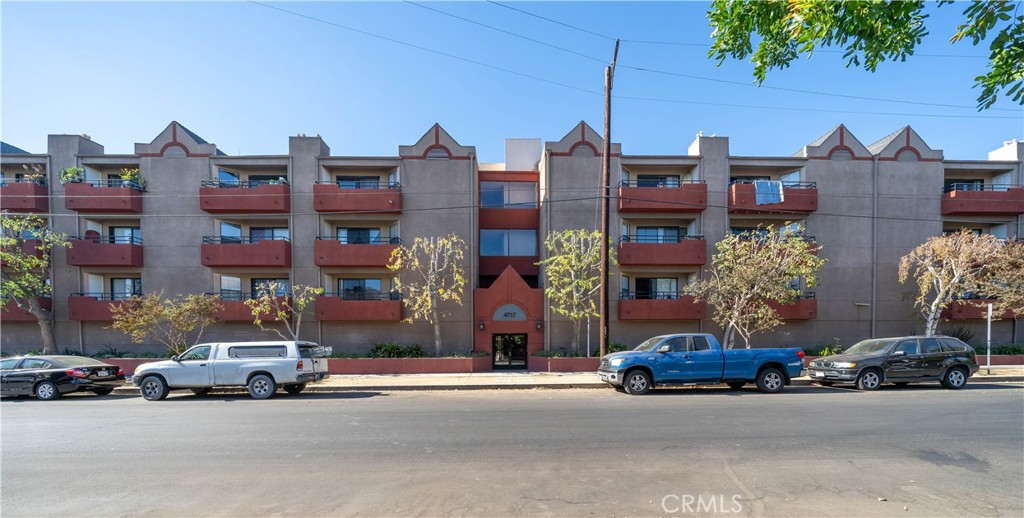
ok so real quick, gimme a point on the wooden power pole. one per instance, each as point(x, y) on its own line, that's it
point(606, 165)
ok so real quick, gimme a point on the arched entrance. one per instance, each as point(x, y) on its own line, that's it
point(510, 321)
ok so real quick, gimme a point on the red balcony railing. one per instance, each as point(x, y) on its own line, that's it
point(240, 252)
point(331, 197)
point(110, 196)
point(796, 197)
point(365, 307)
point(105, 251)
point(644, 197)
point(973, 309)
point(660, 306)
point(243, 197)
point(92, 307)
point(972, 199)
point(24, 196)
point(330, 251)
point(12, 313)
point(234, 308)
point(647, 251)
point(804, 308)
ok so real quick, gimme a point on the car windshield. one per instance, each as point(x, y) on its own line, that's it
point(870, 346)
point(648, 344)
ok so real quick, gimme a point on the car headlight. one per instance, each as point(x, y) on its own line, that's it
point(616, 362)
point(844, 365)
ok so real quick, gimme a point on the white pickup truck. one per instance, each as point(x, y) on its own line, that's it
point(260, 366)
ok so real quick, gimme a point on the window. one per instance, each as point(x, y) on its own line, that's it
point(678, 344)
point(657, 180)
point(258, 351)
point(583, 150)
point(931, 346)
point(230, 287)
point(257, 234)
point(438, 153)
point(748, 179)
point(264, 179)
point(908, 346)
point(359, 289)
point(963, 184)
point(657, 288)
point(624, 289)
point(34, 363)
point(842, 154)
point(125, 235)
point(657, 234)
point(508, 195)
point(358, 182)
point(954, 345)
point(259, 286)
point(228, 178)
point(700, 343)
point(8, 363)
point(230, 233)
point(123, 287)
point(359, 236)
point(511, 243)
point(199, 352)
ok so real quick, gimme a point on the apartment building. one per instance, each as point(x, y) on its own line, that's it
point(205, 222)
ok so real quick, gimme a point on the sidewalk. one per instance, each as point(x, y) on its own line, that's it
point(528, 380)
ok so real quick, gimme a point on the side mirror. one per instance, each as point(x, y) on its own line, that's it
point(175, 358)
point(900, 353)
point(664, 349)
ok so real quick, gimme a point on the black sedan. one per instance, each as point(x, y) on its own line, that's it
point(901, 360)
point(49, 377)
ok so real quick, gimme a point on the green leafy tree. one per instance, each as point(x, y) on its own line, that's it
point(276, 303)
point(26, 249)
point(869, 32)
point(176, 323)
point(947, 266)
point(572, 272)
point(751, 270)
point(435, 274)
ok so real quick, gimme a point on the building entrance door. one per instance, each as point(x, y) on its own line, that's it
point(509, 351)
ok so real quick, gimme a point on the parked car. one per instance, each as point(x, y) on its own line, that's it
point(259, 366)
point(698, 359)
point(900, 360)
point(49, 377)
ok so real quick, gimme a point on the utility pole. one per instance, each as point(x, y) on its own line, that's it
point(606, 165)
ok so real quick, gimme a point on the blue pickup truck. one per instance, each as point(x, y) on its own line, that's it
point(698, 359)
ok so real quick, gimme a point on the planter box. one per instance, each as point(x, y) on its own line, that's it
point(546, 364)
point(408, 365)
point(128, 365)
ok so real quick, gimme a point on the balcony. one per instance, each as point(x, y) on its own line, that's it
point(330, 197)
point(242, 252)
point(92, 307)
point(648, 251)
point(105, 251)
point(973, 309)
point(797, 197)
point(329, 251)
point(105, 196)
point(510, 218)
point(244, 197)
point(988, 200)
point(660, 306)
point(685, 197)
point(24, 196)
point(804, 308)
point(12, 313)
point(365, 307)
point(234, 308)
point(522, 264)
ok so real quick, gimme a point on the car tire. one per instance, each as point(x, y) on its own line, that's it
point(46, 391)
point(736, 385)
point(102, 391)
point(770, 380)
point(153, 388)
point(294, 389)
point(262, 386)
point(869, 379)
point(637, 382)
point(201, 391)
point(955, 378)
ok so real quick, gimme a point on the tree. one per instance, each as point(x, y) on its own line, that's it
point(573, 274)
point(871, 32)
point(749, 272)
point(1006, 279)
point(283, 305)
point(26, 249)
point(436, 275)
point(945, 267)
point(176, 323)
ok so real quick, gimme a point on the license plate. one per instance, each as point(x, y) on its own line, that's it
point(819, 374)
point(103, 374)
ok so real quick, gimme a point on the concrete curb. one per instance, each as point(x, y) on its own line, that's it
point(330, 389)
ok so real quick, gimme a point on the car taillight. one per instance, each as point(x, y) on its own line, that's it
point(298, 365)
point(76, 373)
point(120, 371)
point(800, 354)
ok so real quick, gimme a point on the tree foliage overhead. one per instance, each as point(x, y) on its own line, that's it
point(869, 32)
point(573, 276)
point(948, 266)
point(752, 270)
point(1006, 279)
point(26, 249)
point(278, 304)
point(435, 274)
point(176, 323)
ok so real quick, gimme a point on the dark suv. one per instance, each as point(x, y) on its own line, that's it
point(901, 360)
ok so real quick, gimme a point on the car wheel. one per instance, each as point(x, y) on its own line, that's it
point(770, 381)
point(46, 391)
point(955, 378)
point(262, 386)
point(294, 389)
point(201, 391)
point(637, 382)
point(869, 380)
point(825, 383)
point(102, 391)
point(736, 385)
point(153, 388)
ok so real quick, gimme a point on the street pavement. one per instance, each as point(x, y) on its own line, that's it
point(810, 451)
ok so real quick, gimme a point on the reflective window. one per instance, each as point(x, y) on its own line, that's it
point(230, 233)
point(360, 289)
point(260, 286)
point(358, 182)
point(122, 287)
point(508, 242)
point(678, 344)
point(34, 363)
point(700, 343)
point(931, 346)
point(199, 352)
point(257, 234)
point(8, 363)
point(908, 346)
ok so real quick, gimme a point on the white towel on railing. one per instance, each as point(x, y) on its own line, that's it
point(767, 192)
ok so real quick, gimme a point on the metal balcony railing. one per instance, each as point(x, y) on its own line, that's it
point(237, 296)
point(225, 240)
point(112, 240)
point(651, 295)
point(368, 185)
point(114, 182)
point(785, 184)
point(980, 187)
point(658, 183)
point(634, 238)
point(382, 240)
point(241, 184)
point(108, 296)
point(8, 181)
point(366, 295)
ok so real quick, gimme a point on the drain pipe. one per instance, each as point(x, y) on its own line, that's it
point(874, 244)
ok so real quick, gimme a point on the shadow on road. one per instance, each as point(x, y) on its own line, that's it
point(186, 396)
point(751, 391)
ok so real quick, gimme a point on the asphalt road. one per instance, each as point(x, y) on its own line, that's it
point(807, 452)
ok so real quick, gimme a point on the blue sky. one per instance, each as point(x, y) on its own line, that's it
point(245, 76)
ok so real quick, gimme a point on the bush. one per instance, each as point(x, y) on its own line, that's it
point(1007, 349)
point(395, 350)
point(961, 332)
